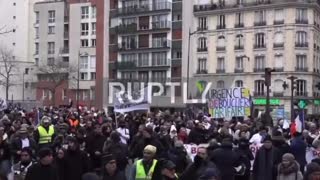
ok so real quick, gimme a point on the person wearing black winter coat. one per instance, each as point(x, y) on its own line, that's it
point(246, 157)
point(279, 142)
point(178, 156)
point(110, 170)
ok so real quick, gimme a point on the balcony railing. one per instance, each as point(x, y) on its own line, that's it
point(202, 28)
point(302, 21)
point(217, 6)
point(239, 25)
point(278, 94)
point(64, 50)
point(262, 23)
point(238, 47)
point(144, 8)
point(300, 44)
point(278, 45)
point(154, 44)
point(202, 71)
point(161, 25)
point(221, 48)
point(279, 69)
point(134, 64)
point(203, 49)
point(238, 70)
point(160, 43)
point(221, 26)
point(259, 46)
point(301, 69)
point(278, 22)
point(127, 28)
point(299, 93)
point(128, 46)
point(220, 71)
point(258, 93)
point(258, 69)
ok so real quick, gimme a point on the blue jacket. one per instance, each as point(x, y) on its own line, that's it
point(298, 149)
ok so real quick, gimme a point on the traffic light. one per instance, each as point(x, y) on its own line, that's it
point(267, 75)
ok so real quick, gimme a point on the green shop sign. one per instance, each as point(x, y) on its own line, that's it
point(264, 101)
point(316, 102)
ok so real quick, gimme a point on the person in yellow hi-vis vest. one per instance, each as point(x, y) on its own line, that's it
point(45, 133)
point(148, 167)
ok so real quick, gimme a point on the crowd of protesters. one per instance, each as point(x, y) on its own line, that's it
point(86, 144)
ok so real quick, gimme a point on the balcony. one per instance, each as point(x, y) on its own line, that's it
point(238, 47)
point(258, 69)
point(262, 23)
point(301, 44)
point(239, 25)
point(301, 69)
point(126, 28)
point(259, 46)
point(160, 43)
point(301, 94)
point(278, 22)
point(136, 64)
point(128, 46)
point(221, 48)
point(202, 49)
point(238, 70)
point(302, 21)
point(126, 65)
point(202, 28)
point(221, 6)
point(161, 25)
point(64, 50)
point(221, 26)
point(279, 69)
point(202, 71)
point(278, 94)
point(258, 93)
point(220, 71)
point(145, 8)
point(278, 45)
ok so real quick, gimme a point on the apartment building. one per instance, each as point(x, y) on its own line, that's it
point(16, 32)
point(145, 44)
point(232, 42)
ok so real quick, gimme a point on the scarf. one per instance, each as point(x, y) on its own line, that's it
point(292, 168)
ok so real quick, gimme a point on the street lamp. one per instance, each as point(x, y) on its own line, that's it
point(78, 80)
point(285, 86)
point(188, 65)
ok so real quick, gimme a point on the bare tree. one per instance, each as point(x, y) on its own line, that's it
point(54, 75)
point(7, 68)
point(5, 31)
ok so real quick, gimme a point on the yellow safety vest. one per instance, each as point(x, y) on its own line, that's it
point(44, 135)
point(141, 174)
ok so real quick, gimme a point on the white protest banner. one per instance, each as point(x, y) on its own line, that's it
point(228, 103)
point(3, 104)
point(123, 101)
point(192, 149)
point(254, 149)
point(312, 153)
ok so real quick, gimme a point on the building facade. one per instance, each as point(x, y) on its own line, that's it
point(234, 41)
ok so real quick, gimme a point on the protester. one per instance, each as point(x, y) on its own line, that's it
point(298, 149)
point(45, 133)
point(20, 169)
point(110, 169)
point(289, 169)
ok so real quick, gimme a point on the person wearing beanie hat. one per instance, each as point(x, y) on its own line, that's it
point(45, 133)
point(110, 169)
point(169, 170)
point(210, 174)
point(20, 169)
point(44, 169)
point(266, 161)
point(289, 168)
point(148, 167)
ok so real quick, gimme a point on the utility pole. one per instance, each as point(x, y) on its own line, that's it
point(292, 80)
point(267, 77)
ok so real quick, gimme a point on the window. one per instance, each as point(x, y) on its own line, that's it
point(93, 62)
point(128, 21)
point(36, 48)
point(36, 61)
point(278, 39)
point(278, 16)
point(94, 28)
point(51, 47)
point(83, 76)
point(301, 62)
point(239, 63)
point(220, 84)
point(220, 65)
point(278, 61)
point(84, 62)
point(259, 87)
point(301, 15)
point(202, 43)
point(239, 20)
point(301, 88)
point(239, 42)
point(129, 42)
point(260, 18)
point(93, 42)
point(259, 63)
point(143, 76)
point(94, 12)
point(159, 21)
point(301, 39)
point(64, 94)
point(159, 59)
point(221, 22)
point(84, 29)
point(176, 17)
point(93, 75)
point(202, 23)
point(85, 12)
point(128, 75)
point(221, 41)
point(50, 61)
point(159, 75)
point(52, 16)
point(239, 83)
point(260, 40)
point(84, 43)
point(37, 32)
point(37, 17)
point(51, 29)
point(128, 57)
point(177, 54)
point(143, 59)
point(160, 41)
point(202, 65)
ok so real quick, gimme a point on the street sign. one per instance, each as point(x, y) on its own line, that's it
point(302, 104)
